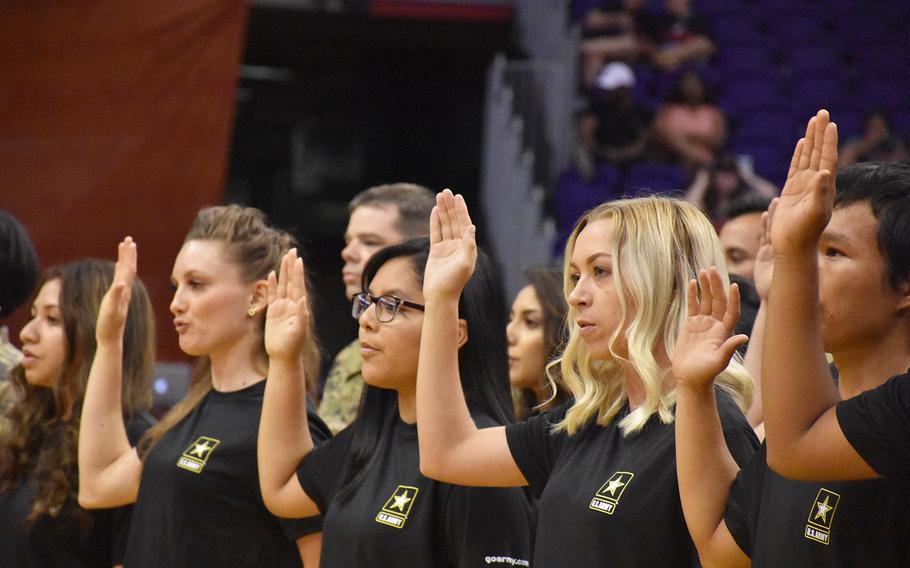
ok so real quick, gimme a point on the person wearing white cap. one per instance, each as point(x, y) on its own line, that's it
point(615, 126)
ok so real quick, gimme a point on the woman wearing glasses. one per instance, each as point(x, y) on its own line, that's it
point(379, 510)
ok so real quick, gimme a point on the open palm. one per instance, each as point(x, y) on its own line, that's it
point(287, 318)
point(763, 269)
point(453, 250)
point(807, 199)
point(705, 344)
point(115, 305)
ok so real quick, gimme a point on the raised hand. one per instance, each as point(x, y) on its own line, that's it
point(705, 344)
point(764, 258)
point(115, 305)
point(807, 199)
point(453, 250)
point(287, 318)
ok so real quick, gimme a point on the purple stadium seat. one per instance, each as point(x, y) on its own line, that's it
point(773, 9)
point(900, 122)
point(720, 8)
point(861, 27)
point(781, 122)
point(755, 55)
point(813, 58)
point(796, 30)
point(654, 179)
point(736, 30)
point(575, 195)
point(883, 92)
point(752, 94)
point(810, 94)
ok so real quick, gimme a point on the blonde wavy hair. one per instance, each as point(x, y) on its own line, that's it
point(659, 244)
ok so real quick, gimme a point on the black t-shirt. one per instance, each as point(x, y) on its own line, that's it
point(199, 501)
point(619, 125)
point(610, 499)
point(398, 517)
point(783, 522)
point(877, 425)
point(61, 541)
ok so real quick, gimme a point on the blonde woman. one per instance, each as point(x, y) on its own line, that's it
point(603, 464)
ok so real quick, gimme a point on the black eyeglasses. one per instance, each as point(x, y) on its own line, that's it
point(386, 306)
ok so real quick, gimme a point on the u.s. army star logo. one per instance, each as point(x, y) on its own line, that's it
point(196, 455)
point(821, 516)
point(607, 498)
point(395, 511)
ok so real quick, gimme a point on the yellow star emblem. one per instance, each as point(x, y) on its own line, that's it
point(200, 449)
point(400, 501)
point(613, 485)
point(823, 509)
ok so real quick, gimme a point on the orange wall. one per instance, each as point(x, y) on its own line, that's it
point(115, 119)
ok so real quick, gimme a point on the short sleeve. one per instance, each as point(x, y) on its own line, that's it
point(319, 432)
point(486, 525)
point(744, 501)
point(319, 471)
point(877, 425)
point(738, 433)
point(121, 517)
point(535, 447)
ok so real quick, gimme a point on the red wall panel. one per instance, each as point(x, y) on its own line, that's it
point(115, 119)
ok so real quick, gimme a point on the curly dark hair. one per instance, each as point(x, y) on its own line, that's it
point(40, 445)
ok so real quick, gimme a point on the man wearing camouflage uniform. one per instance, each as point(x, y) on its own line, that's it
point(379, 216)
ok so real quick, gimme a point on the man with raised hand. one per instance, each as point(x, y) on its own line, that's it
point(850, 299)
point(812, 434)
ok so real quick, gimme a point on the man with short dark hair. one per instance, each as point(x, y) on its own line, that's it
point(841, 284)
point(740, 235)
point(379, 216)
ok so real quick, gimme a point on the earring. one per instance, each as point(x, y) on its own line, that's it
point(251, 312)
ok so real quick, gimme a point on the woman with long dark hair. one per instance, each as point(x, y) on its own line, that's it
point(536, 331)
point(379, 509)
point(41, 523)
point(193, 476)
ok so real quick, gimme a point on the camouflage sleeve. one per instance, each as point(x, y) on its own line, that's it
point(343, 387)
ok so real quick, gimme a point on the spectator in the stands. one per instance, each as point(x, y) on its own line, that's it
point(615, 30)
point(614, 128)
point(715, 188)
point(683, 36)
point(689, 125)
point(878, 142)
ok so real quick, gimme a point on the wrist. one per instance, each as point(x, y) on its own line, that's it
point(110, 342)
point(796, 258)
point(288, 362)
point(441, 299)
point(692, 389)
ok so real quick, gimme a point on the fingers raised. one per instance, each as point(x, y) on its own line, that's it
point(822, 119)
point(272, 287)
point(718, 295)
point(828, 159)
point(805, 157)
point(692, 305)
point(731, 314)
point(797, 155)
point(706, 297)
point(443, 202)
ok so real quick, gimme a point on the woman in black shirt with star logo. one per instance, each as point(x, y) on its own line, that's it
point(379, 509)
point(193, 477)
point(603, 464)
